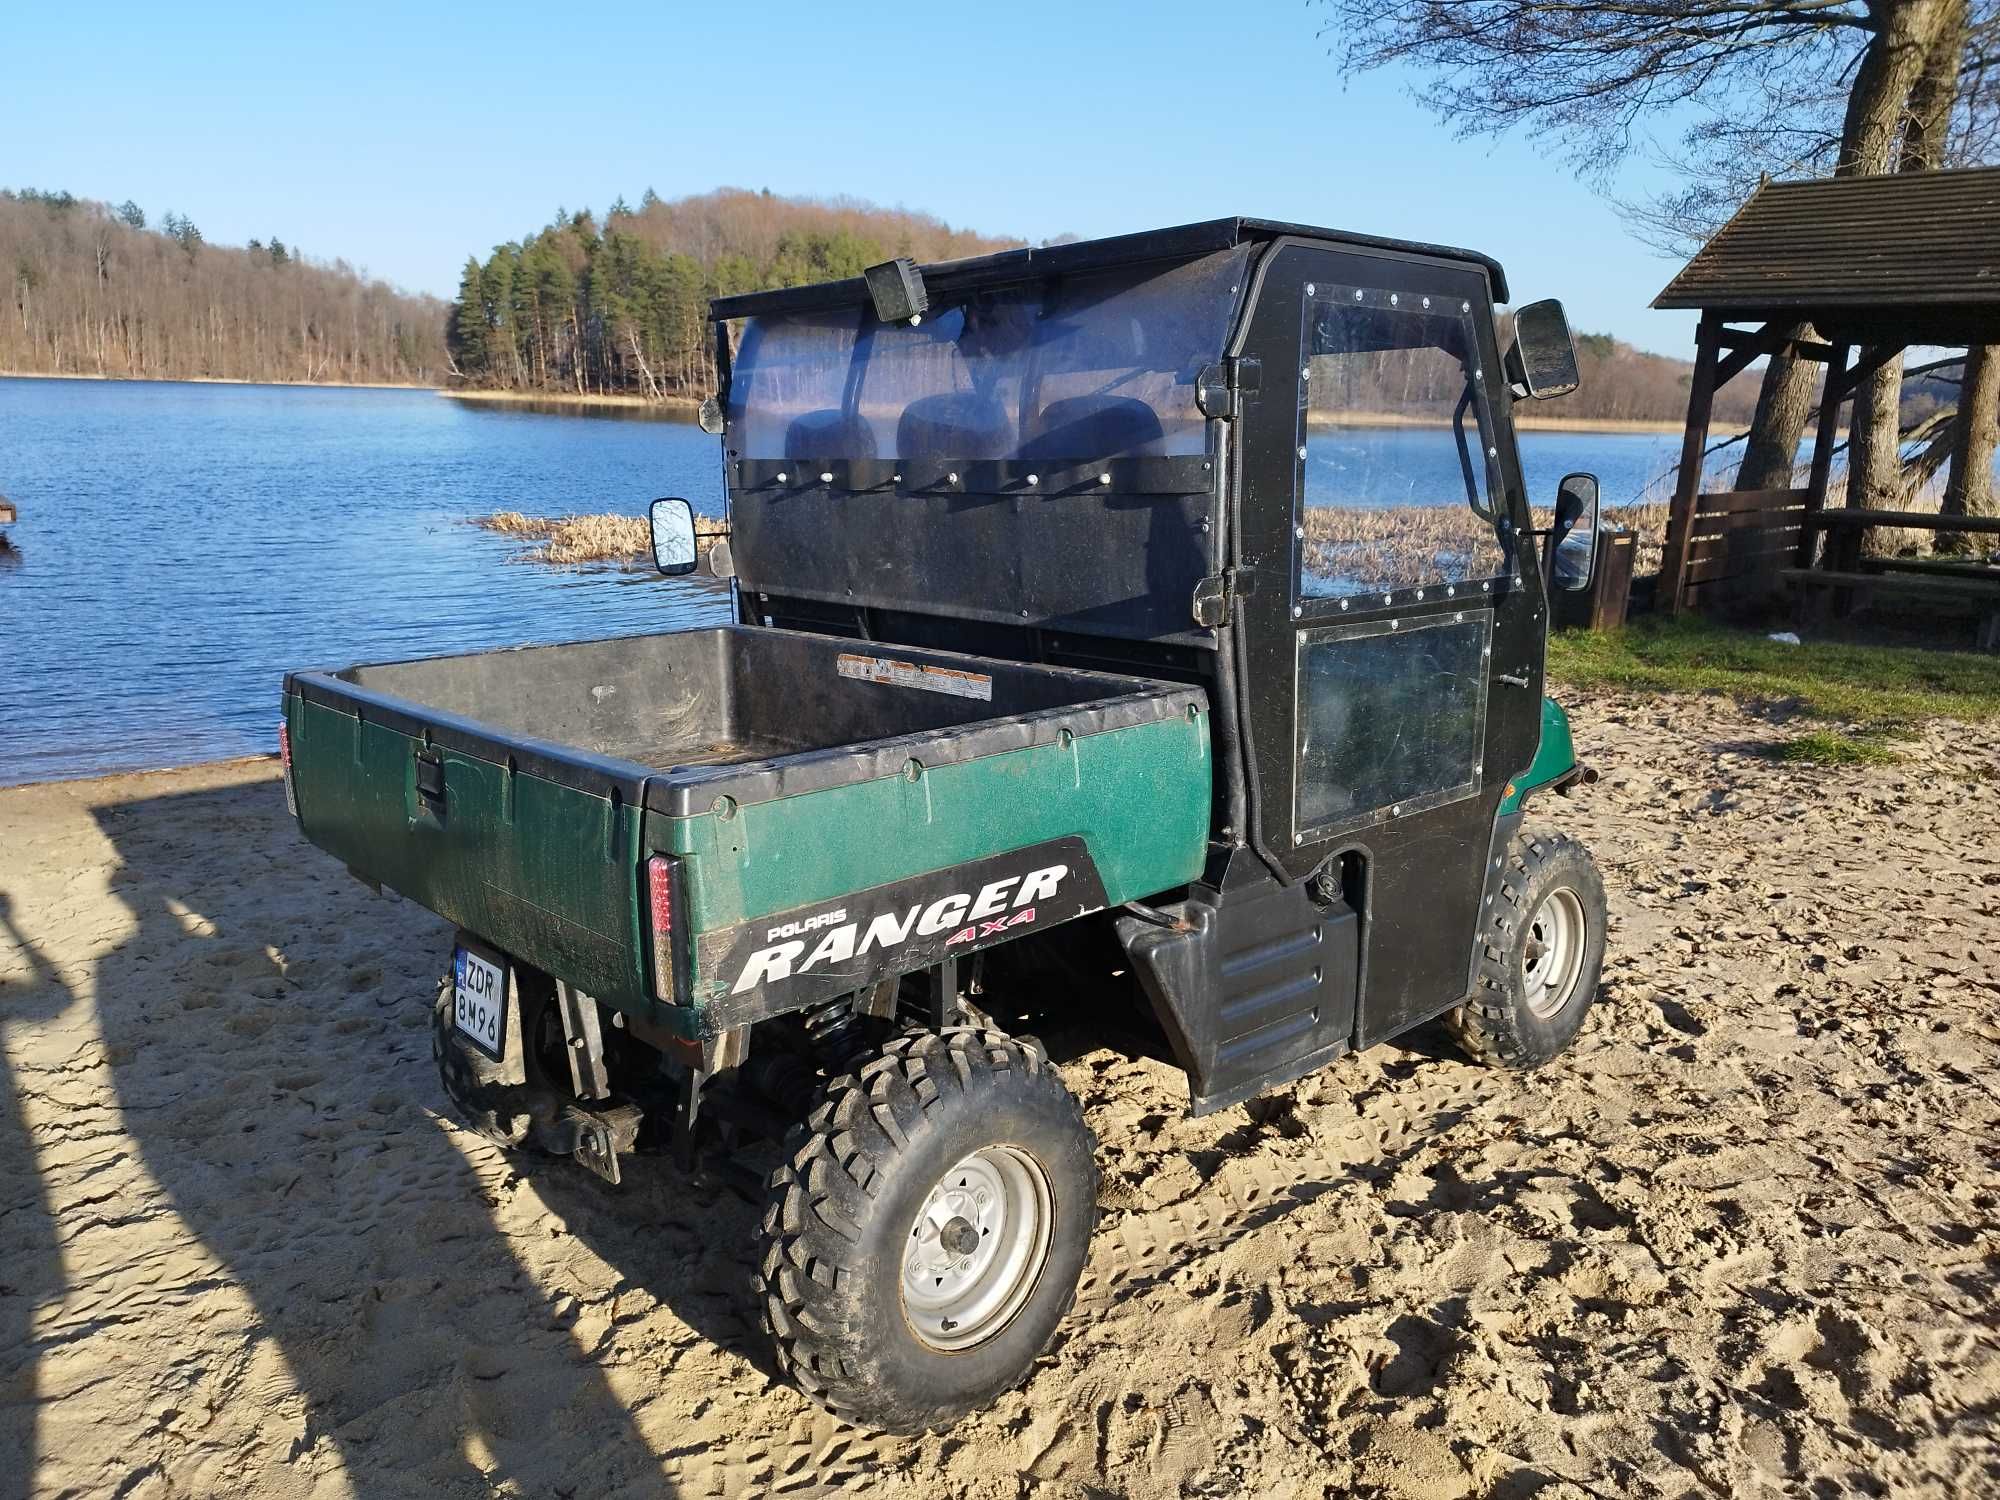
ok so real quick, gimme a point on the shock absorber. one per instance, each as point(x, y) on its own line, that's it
point(839, 1037)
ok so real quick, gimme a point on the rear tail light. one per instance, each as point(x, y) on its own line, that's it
point(285, 755)
point(662, 875)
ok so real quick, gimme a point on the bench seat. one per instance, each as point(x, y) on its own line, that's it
point(1982, 593)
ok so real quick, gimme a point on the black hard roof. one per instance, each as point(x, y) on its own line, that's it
point(1181, 243)
point(1916, 252)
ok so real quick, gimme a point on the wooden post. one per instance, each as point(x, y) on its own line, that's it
point(1680, 519)
point(1830, 399)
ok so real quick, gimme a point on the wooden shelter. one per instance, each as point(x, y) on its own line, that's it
point(1868, 266)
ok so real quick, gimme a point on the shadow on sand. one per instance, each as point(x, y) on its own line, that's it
point(31, 1272)
point(267, 1026)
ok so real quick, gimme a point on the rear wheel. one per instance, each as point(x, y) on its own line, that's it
point(1541, 950)
point(502, 1101)
point(924, 1236)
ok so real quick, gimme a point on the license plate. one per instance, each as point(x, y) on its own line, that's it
point(479, 1000)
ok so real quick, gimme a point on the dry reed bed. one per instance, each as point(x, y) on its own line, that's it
point(1398, 542)
point(569, 540)
point(1396, 546)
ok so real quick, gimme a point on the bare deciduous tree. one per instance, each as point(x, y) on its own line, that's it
point(1969, 489)
point(1799, 87)
point(95, 294)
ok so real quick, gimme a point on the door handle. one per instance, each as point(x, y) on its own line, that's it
point(1519, 680)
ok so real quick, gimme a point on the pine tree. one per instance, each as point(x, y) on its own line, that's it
point(470, 326)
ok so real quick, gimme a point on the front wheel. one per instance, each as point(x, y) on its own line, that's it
point(1541, 950)
point(925, 1234)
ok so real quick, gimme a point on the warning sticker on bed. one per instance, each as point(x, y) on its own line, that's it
point(909, 674)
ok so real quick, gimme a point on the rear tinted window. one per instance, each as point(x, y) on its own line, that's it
point(1070, 369)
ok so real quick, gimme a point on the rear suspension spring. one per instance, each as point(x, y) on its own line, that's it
point(839, 1037)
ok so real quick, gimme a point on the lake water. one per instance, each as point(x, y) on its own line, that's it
point(182, 546)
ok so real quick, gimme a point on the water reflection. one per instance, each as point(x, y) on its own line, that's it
point(182, 546)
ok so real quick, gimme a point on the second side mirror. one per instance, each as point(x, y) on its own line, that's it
point(674, 549)
point(1573, 538)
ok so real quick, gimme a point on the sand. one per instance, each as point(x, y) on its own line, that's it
point(1741, 1240)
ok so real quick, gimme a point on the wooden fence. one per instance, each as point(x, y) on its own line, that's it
point(1740, 541)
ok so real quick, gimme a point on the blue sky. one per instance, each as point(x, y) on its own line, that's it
point(403, 140)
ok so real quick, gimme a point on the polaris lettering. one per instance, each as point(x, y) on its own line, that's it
point(850, 940)
point(806, 925)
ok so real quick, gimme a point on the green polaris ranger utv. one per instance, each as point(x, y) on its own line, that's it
point(1149, 629)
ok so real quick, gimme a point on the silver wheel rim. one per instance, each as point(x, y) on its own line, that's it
point(977, 1247)
point(1554, 955)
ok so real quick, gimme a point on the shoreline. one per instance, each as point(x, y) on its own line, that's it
point(189, 767)
point(678, 404)
point(303, 385)
point(570, 398)
point(1663, 425)
point(131, 773)
point(1360, 421)
point(599, 401)
point(1366, 421)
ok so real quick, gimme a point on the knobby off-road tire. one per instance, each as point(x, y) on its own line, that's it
point(502, 1112)
point(1541, 950)
point(923, 1238)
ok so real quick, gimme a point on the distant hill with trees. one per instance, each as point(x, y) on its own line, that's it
point(1621, 383)
point(590, 305)
point(618, 305)
point(96, 290)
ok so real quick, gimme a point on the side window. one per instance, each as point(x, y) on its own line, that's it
point(1392, 718)
point(1398, 475)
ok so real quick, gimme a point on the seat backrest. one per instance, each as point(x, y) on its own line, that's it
point(1092, 427)
point(962, 425)
point(830, 433)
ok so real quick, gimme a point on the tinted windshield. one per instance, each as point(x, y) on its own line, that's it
point(1074, 368)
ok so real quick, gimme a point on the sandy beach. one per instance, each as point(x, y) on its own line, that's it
point(1744, 1239)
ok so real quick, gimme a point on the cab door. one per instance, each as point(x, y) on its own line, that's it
point(1394, 628)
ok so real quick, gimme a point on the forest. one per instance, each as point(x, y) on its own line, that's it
point(619, 306)
point(98, 290)
point(1621, 383)
point(587, 305)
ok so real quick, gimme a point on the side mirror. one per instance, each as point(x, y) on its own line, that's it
point(674, 550)
point(1573, 539)
point(711, 418)
point(1543, 356)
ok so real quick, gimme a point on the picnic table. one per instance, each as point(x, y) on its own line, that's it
point(1848, 580)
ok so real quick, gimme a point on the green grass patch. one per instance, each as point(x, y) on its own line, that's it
point(1823, 747)
point(1884, 688)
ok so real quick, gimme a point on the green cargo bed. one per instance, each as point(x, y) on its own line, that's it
point(808, 789)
